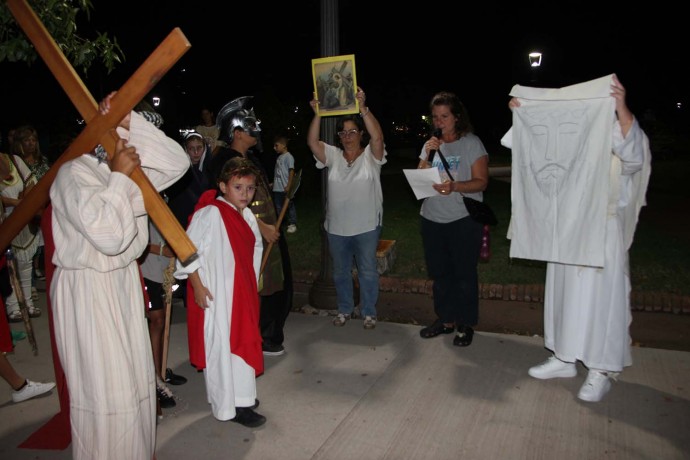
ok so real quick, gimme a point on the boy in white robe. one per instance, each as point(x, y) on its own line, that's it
point(222, 294)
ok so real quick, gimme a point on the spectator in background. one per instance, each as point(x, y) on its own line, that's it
point(284, 165)
point(183, 195)
point(26, 146)
point(22, 388)
point(157, 271)
point(210, 132)
point(18, 180)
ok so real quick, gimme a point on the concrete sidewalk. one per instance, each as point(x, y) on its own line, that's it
point(347, 393)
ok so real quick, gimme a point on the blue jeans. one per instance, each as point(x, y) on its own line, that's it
point(362, 248)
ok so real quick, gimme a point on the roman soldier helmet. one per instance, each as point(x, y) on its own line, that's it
point(237, 113)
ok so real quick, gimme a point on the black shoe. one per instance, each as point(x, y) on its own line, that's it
point(464, 336)
point(174, 379)
point(256, 404)
point(435, 329)
point(165, 397)
point(270, 349)
point(247, 417)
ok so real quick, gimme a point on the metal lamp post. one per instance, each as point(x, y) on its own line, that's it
point(322, 294)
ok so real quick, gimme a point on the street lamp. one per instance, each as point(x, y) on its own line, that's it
point(535, 59)
point(534, 63)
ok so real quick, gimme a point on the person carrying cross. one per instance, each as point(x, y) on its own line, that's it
point(100, 228)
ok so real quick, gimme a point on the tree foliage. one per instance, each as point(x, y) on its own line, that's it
point(60, 19)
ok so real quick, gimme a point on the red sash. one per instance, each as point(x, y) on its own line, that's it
point(245, 339)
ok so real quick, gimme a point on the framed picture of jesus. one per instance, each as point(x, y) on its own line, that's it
point(335, 85)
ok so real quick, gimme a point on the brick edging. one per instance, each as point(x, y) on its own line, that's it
point(650, 301)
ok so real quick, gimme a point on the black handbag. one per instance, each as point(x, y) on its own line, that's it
point(479, 211)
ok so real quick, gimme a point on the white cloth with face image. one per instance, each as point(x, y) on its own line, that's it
point(561, 142)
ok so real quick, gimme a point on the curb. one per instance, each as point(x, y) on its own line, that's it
point(649, 301)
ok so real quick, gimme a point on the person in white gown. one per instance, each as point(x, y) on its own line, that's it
point(587, 309)
point(100, 228)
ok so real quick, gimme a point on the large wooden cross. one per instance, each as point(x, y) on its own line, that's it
point(100, 128)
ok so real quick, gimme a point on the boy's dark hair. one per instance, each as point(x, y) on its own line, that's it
point(237, 167)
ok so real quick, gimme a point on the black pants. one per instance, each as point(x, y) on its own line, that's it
point(276, 307)
point(451, 252)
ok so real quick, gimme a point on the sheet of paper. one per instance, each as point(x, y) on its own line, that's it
point(421, 181)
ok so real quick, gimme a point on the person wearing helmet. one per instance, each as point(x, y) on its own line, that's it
point(241, 131)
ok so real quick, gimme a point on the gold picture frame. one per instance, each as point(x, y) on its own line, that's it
point(335, 85)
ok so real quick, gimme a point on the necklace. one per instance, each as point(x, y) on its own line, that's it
point(350, 162)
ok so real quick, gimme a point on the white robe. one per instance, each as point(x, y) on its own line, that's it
point(230, 381)
point(586, 309)
point(100, 228)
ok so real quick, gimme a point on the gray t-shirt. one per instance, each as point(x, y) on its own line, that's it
point(460, 154)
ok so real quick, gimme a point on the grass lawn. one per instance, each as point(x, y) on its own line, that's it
point(659, 257)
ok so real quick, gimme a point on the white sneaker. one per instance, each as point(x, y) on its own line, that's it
point(292, 228)
point(31, 389)
point(552, 368)
point(596, 386)
point(369, 322)
point(340, 319)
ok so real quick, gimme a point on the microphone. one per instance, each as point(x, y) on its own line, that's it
point(437, 133)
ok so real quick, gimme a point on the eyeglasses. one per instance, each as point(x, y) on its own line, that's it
point(348, 133)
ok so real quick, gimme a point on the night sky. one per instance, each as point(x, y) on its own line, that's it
point(403, 55)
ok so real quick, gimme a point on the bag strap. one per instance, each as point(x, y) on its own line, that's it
point(447, 168)
point(445, 164)
point(19, 171)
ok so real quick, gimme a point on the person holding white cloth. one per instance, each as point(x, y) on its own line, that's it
point(587, 305)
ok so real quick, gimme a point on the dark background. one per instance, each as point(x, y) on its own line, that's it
point(404, 54)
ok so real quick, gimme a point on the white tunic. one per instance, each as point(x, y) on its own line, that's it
point(230, 381)
point(587, 309)
point(100, 227)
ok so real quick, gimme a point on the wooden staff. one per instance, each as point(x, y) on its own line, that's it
point(291, 188)
point(168, 281)
point(100, 127)
point(17, 287)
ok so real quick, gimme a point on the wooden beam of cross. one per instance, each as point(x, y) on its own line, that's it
point(100, 128)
